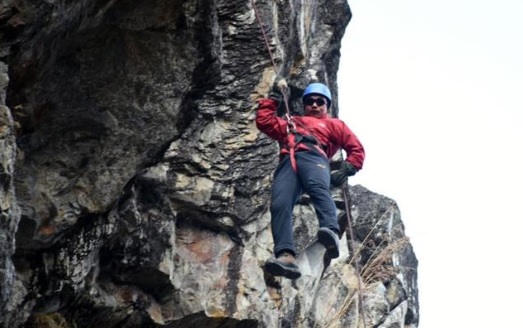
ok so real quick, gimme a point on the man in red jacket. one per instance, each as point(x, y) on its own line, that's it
point(307, 143)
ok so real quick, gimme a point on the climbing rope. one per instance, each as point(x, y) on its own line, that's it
point(344, 189)
point(285, 96)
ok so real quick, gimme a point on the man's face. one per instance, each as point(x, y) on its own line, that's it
point(315, 106)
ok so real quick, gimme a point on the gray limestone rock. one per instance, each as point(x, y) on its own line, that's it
point(135, 185)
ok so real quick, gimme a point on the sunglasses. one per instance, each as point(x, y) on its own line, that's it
point(311, 101)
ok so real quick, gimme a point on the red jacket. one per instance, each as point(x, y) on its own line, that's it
point(331, 133)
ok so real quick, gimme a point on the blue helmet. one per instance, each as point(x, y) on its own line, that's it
point(319, 89)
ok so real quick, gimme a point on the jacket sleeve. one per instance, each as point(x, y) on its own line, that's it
point(268, 122)
point(349, 142)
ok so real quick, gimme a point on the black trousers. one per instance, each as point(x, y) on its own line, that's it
point(313, 177)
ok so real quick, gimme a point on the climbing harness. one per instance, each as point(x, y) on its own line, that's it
point(292, 133)
point(295, 138)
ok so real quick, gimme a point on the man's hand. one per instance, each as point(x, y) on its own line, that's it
point(340, 176)
point(279, 88)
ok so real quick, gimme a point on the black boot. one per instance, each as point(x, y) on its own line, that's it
point(285, 265)
point(330, 240)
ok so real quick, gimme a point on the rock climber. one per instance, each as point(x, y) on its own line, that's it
point(307, 143)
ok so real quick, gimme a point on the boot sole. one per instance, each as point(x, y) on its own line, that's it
point(279, 269)
point(328, 239)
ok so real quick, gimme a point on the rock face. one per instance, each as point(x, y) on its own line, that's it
point(135, 185)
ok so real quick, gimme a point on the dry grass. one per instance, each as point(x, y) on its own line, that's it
point(379, 267)
point(49, 320)
point(344, 309)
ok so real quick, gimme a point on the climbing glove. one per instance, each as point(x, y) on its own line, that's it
point(278, 89)
point(340, 176)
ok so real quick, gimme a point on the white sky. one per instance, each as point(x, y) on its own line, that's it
point(434, 90)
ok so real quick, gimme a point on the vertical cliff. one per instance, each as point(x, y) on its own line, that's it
point(135, 185)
